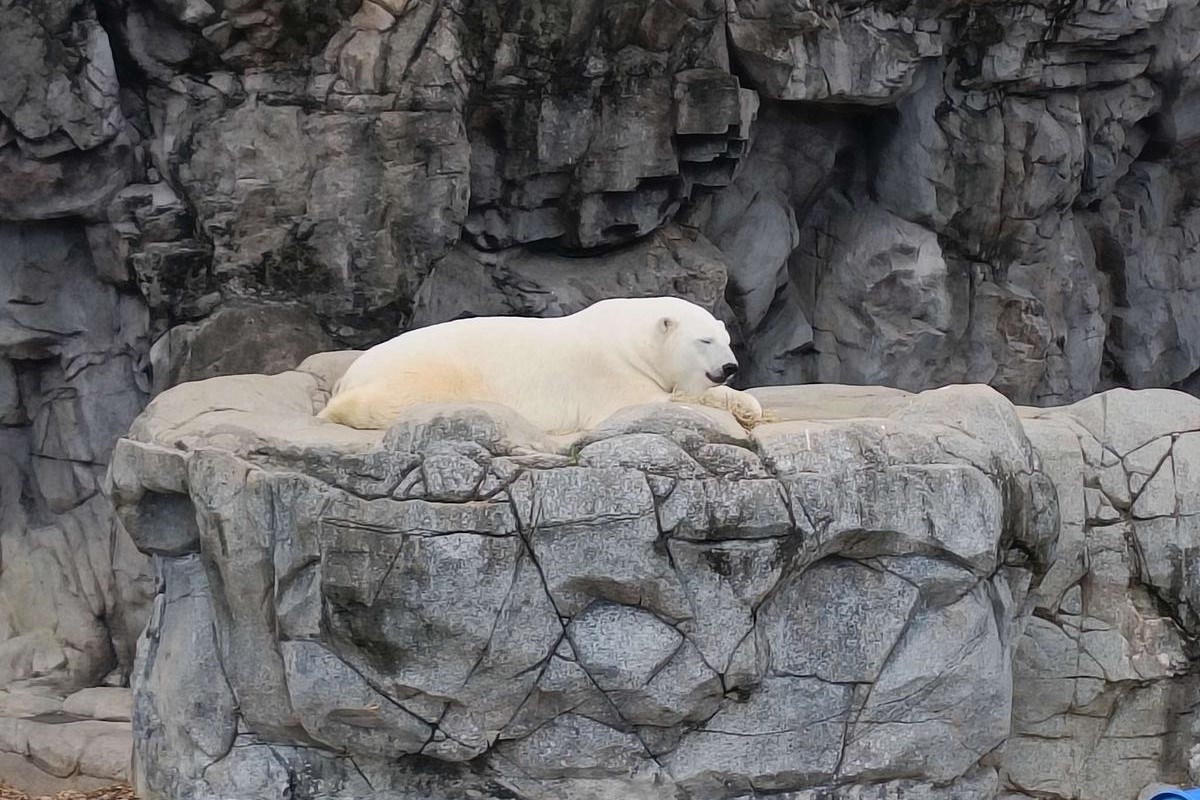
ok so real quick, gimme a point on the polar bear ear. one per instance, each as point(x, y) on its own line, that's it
point(665, 325)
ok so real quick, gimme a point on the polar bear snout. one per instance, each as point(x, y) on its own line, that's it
point(724, 374)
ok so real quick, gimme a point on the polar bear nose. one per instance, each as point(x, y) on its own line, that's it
point(729, 370)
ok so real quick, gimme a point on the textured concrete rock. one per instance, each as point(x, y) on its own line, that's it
point(73, 590)
point(911, 195)
point(797, 52)
point(65, 145)
point(1110, 646)
point(675, 260)
point(1005, 198)
point(887, 585)
point(102, 703)
point(234, 340)
point(100, 749)
point(49, 751)
point(614, 620)
point(29, 704)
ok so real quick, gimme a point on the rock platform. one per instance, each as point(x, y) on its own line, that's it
point(877, 594)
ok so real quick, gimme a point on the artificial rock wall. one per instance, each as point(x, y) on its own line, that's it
point(905, 194)
point(871, 193)
point(877, 594)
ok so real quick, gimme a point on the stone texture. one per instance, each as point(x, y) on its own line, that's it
point(236, 339)
point(899, 194)
point(48, 744)
point(887, 585)
point(1109, 650)
point(29, 704)
point(910, 195)
point(102, 703)
point(73, 590)
point(613, 619)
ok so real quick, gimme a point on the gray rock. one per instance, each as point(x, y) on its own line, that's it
point(652, 674)
point(1079, 662)
point(978, 783)
point(240, 566)
point(690, 427)
point(936, 723)
point(469, 282)
point(722, 509)
point(609, 621)
point(102, 703)
point(29, 704)
point(95, 749)
point(594, 536)
point(1003, 195)
point(572, 745)
point(828, 401)
point(1124, 421)
point(328, 368)
point(1185, 456)
point(453, 473)
point(648, 452)
point(789, 65)
point(191, 721)
point(730, 461)
point(72, 384)
point(10, 399)
point(500, 430)
point(887, 503)
point(726, 583)
point(162, 524)
point(269, 413)
point(621, 647)
point(805, 631)
point(786, 735)
point(337, 707)
point(622, 155)
point(237, 339)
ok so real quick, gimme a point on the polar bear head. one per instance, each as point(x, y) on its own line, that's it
point(692, 352)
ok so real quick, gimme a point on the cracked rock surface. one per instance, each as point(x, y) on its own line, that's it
point(889, 193)
point(1107, 658)
point(896, 193)
point(877, 592)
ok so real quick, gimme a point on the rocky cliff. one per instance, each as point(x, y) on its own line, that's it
point(905, 194)
point(878, 595)
point(902, 194)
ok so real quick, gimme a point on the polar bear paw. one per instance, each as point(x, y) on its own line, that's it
point(744, 408)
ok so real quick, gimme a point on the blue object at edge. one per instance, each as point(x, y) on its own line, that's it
point(1178, 794)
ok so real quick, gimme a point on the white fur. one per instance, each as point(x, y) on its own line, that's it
point(564, 374)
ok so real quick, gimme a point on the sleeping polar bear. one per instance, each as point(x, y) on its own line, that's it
point(564, 374)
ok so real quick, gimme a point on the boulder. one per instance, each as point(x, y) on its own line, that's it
point(619, 618)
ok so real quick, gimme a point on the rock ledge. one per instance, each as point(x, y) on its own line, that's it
point(831, 605)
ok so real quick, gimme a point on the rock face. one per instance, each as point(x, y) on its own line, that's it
point(73, 590)
point(907, 195)
point(1107, 658)
point(838, 603)
point(900, 194)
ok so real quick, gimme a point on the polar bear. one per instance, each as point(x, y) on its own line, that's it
point(564, 374)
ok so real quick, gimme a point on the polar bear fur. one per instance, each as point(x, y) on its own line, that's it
point(564, 374)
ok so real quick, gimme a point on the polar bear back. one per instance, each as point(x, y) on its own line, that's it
point(488, 342)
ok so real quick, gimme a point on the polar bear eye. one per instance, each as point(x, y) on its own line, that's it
point(706, 341)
